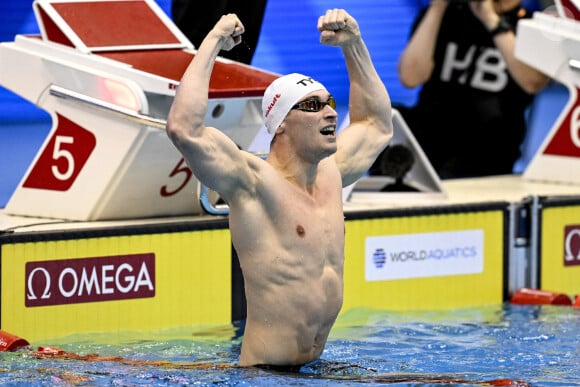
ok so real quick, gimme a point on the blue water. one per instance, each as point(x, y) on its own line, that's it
point(539, 345)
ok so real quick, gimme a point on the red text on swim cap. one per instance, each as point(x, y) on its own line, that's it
point(271, 105)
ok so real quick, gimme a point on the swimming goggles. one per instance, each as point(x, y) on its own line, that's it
point(314, 104)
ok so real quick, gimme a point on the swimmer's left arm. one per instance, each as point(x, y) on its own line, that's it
point(371, 125)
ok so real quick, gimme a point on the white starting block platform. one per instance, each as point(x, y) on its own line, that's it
point(551, 44)
point(107, 72)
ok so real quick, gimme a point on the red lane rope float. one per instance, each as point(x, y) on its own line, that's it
point(418, 378)
point(55, 353)
point(10, 342)
point(526, 296)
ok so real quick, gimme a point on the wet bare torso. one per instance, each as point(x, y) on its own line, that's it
point(291, 249)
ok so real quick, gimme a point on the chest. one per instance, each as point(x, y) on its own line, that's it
point(310, 218)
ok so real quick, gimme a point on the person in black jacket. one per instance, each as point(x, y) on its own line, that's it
point(470, 114)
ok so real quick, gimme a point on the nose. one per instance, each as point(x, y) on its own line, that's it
point(329, 112)
point(328, 105)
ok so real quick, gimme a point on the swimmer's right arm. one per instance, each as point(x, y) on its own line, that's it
point(213, 157)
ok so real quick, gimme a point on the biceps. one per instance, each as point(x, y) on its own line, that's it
point(354, 159)
point(357, 151)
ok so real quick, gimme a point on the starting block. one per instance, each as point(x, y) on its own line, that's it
point(107, 72)
point(551, 44)
point(421, 179)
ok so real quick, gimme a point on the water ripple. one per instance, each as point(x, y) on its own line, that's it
point(538, 345)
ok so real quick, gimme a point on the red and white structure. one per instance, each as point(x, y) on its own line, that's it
point(107, 72)
point(551, 44)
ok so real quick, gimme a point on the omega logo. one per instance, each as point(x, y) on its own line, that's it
point(90, 279)
point(572, 245)
point(46, 293)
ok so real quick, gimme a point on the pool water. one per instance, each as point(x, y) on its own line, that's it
point(537, 345)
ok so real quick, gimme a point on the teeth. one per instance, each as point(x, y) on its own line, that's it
point(327, 131)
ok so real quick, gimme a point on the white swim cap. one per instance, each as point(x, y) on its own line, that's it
point(282, 94)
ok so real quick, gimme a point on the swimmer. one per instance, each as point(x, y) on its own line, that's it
point(286, 218)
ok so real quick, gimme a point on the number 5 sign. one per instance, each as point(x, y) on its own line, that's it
point(63, 157)
point(96, 165)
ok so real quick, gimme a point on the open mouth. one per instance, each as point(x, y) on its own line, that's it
point(328, 131)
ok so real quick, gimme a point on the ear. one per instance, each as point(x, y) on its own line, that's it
point(281, 128)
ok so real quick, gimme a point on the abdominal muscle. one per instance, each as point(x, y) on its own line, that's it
point(288, 324)
point(293, 283)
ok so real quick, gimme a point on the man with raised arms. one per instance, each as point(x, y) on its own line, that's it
point(286, 217)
